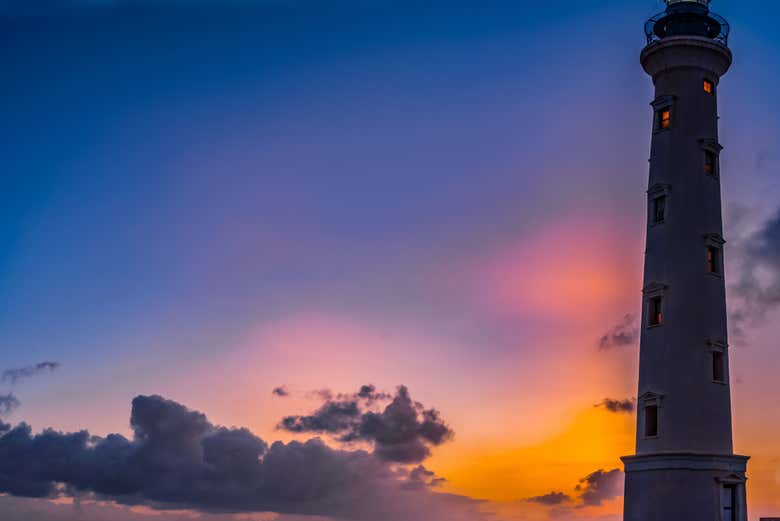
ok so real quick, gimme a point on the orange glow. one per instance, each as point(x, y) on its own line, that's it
point(594, 439)
point(666, 119)
point(708, 87)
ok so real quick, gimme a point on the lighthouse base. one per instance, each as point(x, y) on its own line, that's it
point(685, 487)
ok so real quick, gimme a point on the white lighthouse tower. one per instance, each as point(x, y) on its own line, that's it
point(685, 468)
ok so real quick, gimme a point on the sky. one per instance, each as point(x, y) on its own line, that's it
point(352, 260)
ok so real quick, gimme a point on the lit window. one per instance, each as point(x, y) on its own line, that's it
point(659, 209)
point(655, 312)
point(709, 87)
point(718, 367)
point(714, 264)
point(651, 421)
point(710, 162)
point(665, 119)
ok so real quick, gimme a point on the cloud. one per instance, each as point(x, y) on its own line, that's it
point(420, 478)
point(281, 392)
point(600, 486)
point(618, 406)
point(591, 491)
point(624, 334)
point(8, 404)
point(177, 459)
point(756, 292)
point(14, 375)
point(404, 432)
point(551, 499)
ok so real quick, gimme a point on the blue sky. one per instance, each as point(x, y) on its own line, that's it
point(188, 185)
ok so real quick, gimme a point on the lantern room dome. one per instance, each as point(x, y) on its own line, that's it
point(687, 18)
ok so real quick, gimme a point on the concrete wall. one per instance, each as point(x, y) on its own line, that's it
point(676, 358)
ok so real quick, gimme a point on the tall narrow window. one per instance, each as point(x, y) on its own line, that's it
point(710, 163)
point(714, 263)
point(651, 421)
point(665, 119)
point(709, 87)
point(718, 366)
point(729, 503)
point(659, 209)
point(655, 311)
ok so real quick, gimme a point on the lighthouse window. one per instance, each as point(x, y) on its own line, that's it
point(729, 503)
point(659, 209)
point(655, 312)
point(651, 421)
point(710, 163)
point(709, 87)
point(714, 264)
point(665, 119)
point(718, 367)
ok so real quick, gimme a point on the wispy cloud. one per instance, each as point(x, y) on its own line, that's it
point(8, 404)
point(623, 334)
point(14, 375)
point(618, 406)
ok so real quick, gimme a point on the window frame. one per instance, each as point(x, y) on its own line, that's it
point(711, 149)
point(661, 105)
point(655, 295)
point(650, 401)
point(719, 367)
point(718, 347)
point(658, 191)
point(714, 242)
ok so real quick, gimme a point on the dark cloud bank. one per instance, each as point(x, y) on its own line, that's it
point(756, 292)
point(177, 459)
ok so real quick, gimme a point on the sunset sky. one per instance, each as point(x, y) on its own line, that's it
point(254, 208)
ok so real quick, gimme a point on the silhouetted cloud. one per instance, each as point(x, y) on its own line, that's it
point(756, 291)
point(551, 499)
point(281, 392)
point(624, 334)
point(421, 478)
point(618, 406)
point(177, 459)
point(14, 375)
point(403, 432)
point(8, 403)
point(600, 486)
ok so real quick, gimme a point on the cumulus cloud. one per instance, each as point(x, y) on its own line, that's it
point(623, 334)
point(618, 406)
point(600, 486)
point(404, 432)
point(8, 404)
point(14, 375)
point(756, 292)
point(551, 499)
point(177, 459)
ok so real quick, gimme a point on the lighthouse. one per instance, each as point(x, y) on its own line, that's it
point(685, 468)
